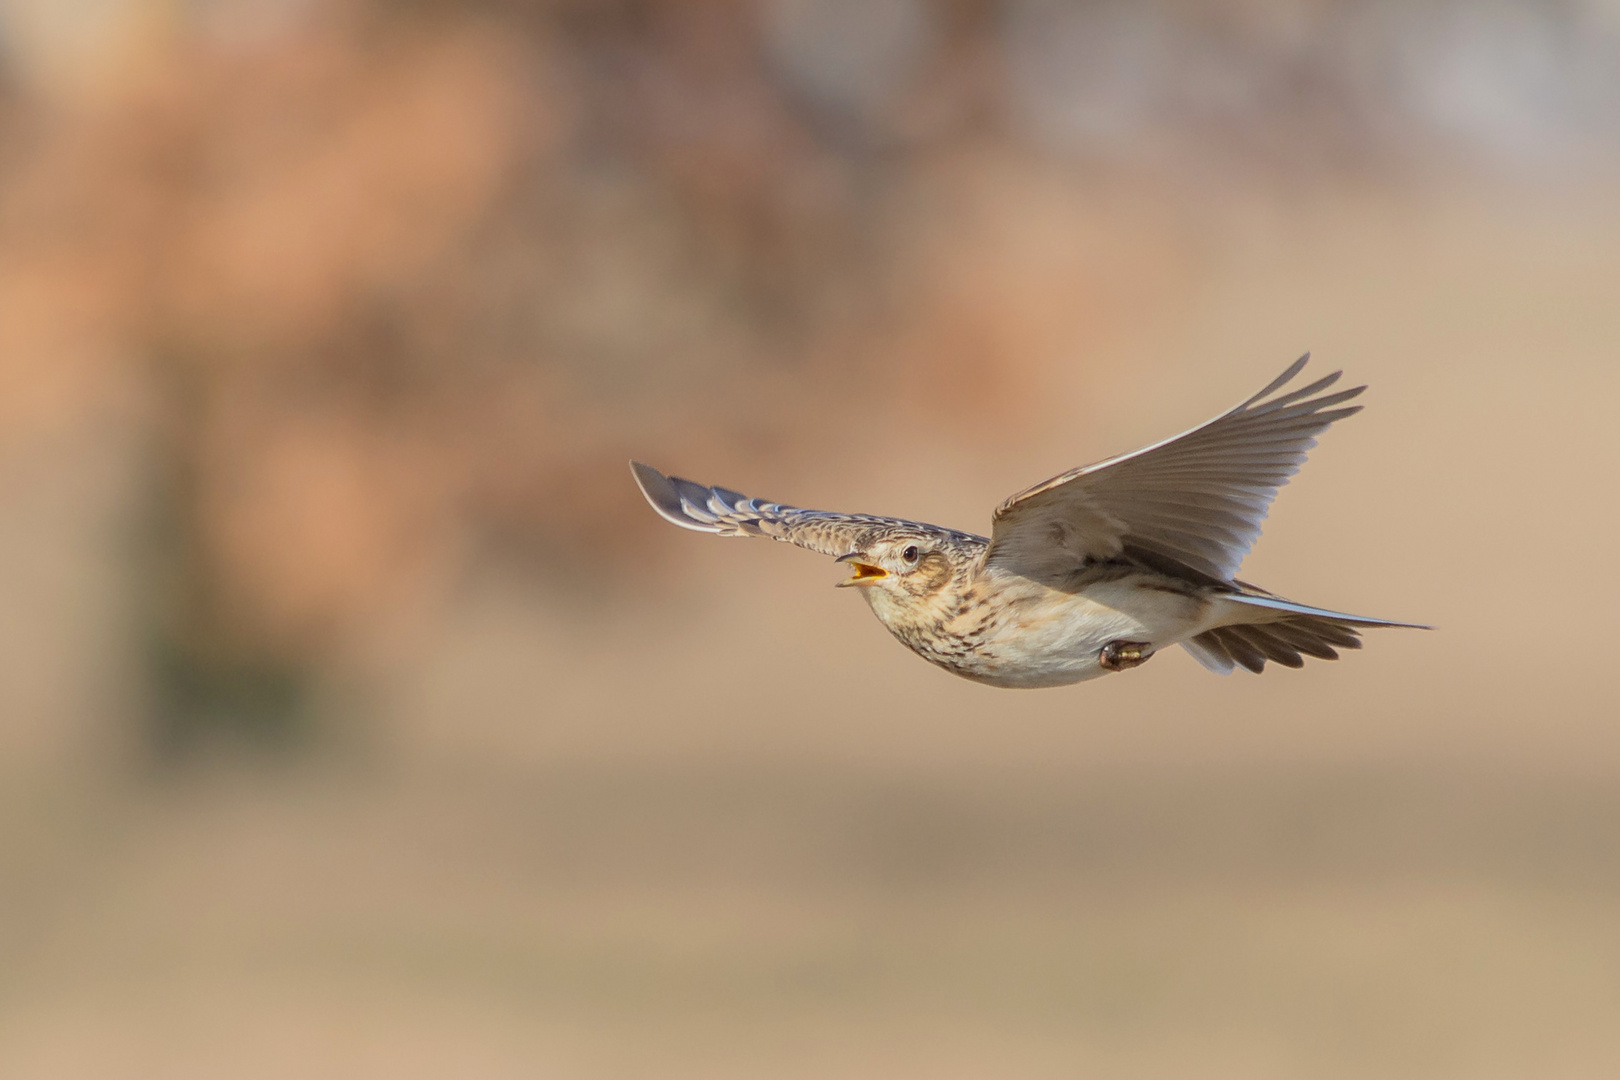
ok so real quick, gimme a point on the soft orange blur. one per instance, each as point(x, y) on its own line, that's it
point(357, 717)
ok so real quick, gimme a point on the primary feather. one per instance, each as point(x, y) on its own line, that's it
point(1194, 502)
point(726, 513)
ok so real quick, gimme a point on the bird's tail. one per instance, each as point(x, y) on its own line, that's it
point(1257, 627)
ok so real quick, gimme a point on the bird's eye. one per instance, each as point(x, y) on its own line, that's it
point(911, 554)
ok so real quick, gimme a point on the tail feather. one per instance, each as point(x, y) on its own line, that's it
point(1287, 642)
point(1270, 645)
point(1280, 631)
point(1208, 650)
point(1319, 644)
point(1242, 650)
point(1258, 599)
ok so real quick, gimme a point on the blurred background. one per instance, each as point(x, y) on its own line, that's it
point(357, 717)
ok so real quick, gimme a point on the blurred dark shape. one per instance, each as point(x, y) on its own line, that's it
point(213, 677)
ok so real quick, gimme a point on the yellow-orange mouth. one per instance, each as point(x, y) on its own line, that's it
point(865, 574)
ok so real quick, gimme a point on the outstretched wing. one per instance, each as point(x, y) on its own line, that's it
point(1194, 502)
point(726, 513)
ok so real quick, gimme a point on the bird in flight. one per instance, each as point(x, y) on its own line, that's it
point(1090, 572)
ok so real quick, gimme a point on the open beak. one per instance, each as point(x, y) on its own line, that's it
point(865, 572)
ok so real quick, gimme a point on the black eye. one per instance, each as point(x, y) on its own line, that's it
point(911, 554)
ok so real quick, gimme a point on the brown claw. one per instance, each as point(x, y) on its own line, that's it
point(1120, 655)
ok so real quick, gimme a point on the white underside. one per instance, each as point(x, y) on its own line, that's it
point(1057, 638)
point(1042, 636)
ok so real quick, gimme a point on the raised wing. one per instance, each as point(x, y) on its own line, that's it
point(1194, 502)
point(726, 513)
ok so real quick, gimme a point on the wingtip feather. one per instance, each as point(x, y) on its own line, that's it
point(1280, 381)
point(662, 494)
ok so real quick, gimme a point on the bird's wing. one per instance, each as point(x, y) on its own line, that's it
point(1194, 502)
point(726, 513)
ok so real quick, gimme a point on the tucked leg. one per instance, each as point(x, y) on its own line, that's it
point(1119, 655)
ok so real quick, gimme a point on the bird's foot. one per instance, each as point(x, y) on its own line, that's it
point(1120, 655)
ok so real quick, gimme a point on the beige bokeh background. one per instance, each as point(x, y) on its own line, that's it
point(359, 720)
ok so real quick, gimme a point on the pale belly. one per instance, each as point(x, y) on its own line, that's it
point(1050, 638)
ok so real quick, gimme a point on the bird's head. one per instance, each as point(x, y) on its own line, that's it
point(903, 570)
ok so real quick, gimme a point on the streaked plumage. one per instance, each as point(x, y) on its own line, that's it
point(1092, 571)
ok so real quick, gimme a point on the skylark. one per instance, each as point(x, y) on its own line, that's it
point(1092, 571)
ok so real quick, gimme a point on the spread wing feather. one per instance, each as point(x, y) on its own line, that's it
point(724, 512)
point(1193, 503)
